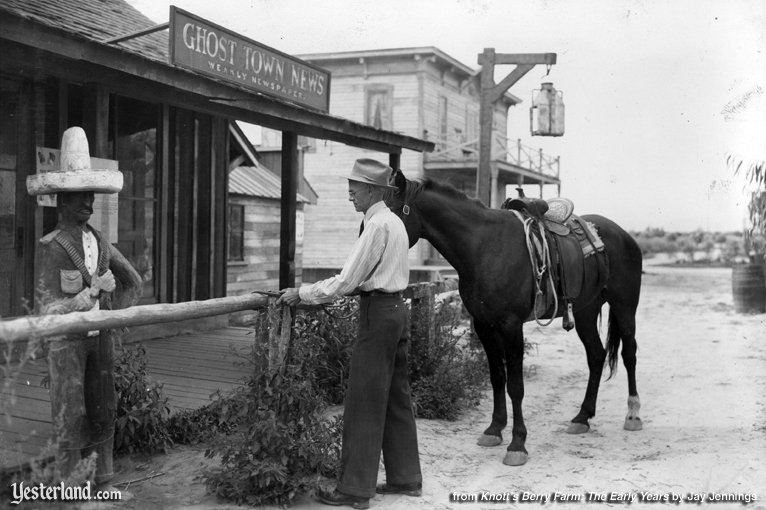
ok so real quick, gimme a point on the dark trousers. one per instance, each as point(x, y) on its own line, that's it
point(378, 413)
point(83, 401)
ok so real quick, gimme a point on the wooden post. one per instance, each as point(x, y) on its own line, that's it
point(96, 119)
point(204, 203)
point(185, 224)
point(288, 209)
point(273, 328)
point(491, 93)
point(487, 62)
point(220, 208)
point(280, 333)
point(24, 278)
point(166, 212)
point(394, 161)
point(422, 321)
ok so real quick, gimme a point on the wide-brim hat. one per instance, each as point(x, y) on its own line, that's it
point(74, 172)
point(370, 171)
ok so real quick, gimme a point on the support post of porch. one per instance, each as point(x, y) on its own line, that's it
point(288, 209)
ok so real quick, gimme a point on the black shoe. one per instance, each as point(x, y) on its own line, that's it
point(409, 489)
point(336, 498)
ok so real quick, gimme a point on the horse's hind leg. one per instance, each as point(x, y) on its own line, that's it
point(587, 330)
point(622, 320)
point(494, 350)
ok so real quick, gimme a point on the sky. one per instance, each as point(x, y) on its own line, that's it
point(658, 93)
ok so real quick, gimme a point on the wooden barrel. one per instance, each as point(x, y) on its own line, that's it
point(748, 287)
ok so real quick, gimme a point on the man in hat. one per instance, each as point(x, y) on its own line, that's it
point(77, 269)
point(378, 412)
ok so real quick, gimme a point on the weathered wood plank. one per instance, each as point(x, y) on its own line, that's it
point(190, 367)
point(79, 322)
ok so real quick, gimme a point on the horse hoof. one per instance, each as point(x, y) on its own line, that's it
point(633, 424)
point(577, 428)
point(515, 458)
point(487, 440)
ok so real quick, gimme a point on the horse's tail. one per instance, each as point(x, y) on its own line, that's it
point(612, 343)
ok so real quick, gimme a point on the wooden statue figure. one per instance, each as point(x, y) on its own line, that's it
point(77, 269)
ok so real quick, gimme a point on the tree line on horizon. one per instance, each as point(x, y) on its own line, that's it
point(700, 247)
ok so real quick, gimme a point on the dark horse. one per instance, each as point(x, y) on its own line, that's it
point(487, 248)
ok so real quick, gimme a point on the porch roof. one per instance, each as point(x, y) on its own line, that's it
point(79, 30)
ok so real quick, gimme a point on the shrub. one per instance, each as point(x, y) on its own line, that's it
point(281, 444)
point(324, 342)
point(193, 426)
point(272, 435)
point(142, 409)
point(447, 374)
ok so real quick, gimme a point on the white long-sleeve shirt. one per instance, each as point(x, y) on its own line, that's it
point(378, 260)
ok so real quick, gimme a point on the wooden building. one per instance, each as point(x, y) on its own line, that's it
point(102, 65)
point(253, 230)
point(421, 92)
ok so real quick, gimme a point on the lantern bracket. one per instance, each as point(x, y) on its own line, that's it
point(490, 94)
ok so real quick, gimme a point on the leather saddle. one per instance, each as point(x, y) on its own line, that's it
point(559, 241)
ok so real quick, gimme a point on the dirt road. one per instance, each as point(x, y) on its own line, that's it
point(702, 382)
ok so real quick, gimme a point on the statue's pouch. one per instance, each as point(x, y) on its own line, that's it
point(71, 281)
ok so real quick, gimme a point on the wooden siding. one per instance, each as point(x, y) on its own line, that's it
point(332, 224)
point(191, 368)
point(260, 268)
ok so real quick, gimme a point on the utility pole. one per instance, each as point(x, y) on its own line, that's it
point(490, 94)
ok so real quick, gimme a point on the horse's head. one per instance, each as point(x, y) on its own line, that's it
point(400, 201)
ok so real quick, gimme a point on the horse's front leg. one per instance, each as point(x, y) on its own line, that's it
point(493, 348)
point(517, 453)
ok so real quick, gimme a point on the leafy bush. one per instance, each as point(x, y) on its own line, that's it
point(447, 374)
point(273, 436)
point(142, 409)
point(281, 443)
point(193, 426)
point(325, 341)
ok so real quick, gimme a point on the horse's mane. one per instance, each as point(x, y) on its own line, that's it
point(450, 191)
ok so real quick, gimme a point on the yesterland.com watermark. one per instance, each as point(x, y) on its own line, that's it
point(22, 491)
point(603, 497)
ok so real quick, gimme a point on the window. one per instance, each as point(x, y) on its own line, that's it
point(379, 109)
point(236, 233)
point(443, 121)
point(472, 125)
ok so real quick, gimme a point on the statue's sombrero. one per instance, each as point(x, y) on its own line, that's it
point(74, 172)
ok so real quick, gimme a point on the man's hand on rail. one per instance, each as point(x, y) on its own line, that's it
point(289, 297)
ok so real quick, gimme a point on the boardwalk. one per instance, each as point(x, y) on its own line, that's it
point(191, 368)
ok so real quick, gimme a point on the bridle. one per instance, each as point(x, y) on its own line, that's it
point(411, 191)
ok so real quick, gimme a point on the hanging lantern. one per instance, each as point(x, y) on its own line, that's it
point(546, 116)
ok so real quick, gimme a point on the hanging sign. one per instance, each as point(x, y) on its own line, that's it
point(205, 47)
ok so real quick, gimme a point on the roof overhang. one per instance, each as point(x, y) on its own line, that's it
point(128, 72)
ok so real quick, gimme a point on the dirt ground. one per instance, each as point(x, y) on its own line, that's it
point(702, 383)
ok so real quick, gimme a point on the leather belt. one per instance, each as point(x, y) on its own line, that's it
point(376, 292)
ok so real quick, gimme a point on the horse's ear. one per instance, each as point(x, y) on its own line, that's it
point(399, 180)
